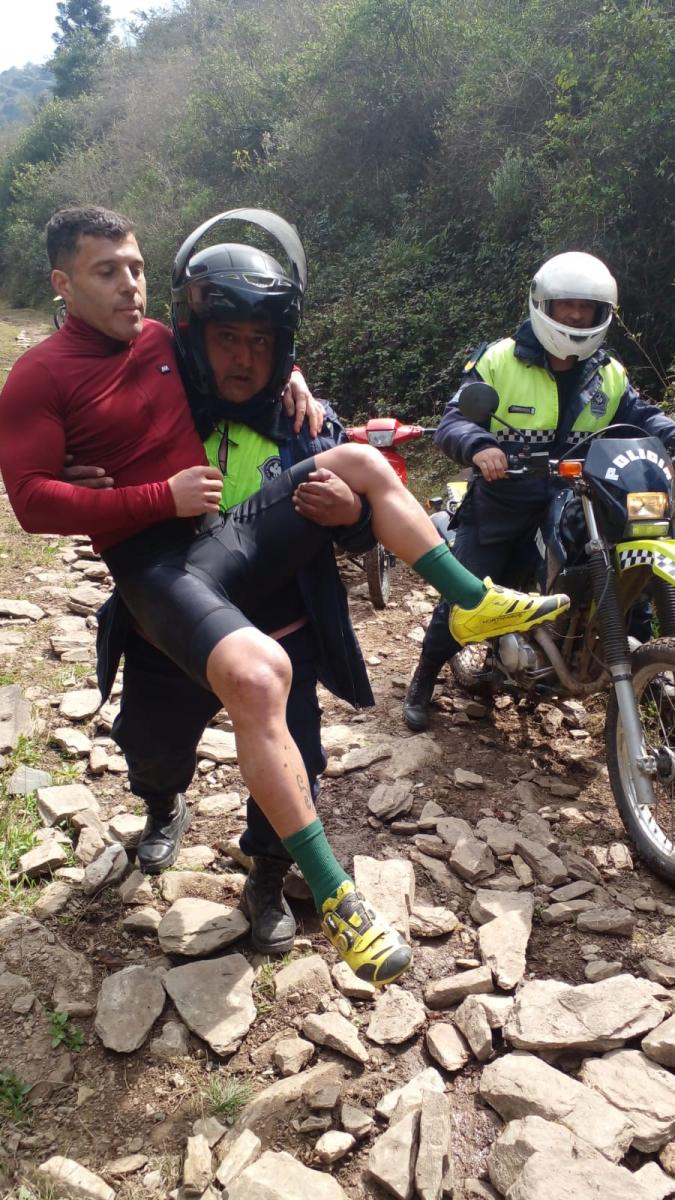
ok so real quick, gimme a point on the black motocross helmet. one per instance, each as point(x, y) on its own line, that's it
point(235, 282)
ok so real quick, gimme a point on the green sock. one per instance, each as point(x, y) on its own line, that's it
point(310, 849)
point(457, 585)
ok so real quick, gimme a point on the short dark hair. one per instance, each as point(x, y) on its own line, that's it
point(68, 225)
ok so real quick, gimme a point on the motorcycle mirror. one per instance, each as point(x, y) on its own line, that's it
point(477, 402)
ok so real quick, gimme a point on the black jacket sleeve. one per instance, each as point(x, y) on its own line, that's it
point(458, 438)
point(635, 411)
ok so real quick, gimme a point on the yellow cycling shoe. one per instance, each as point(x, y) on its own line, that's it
point(367, 943)
point(503, 611)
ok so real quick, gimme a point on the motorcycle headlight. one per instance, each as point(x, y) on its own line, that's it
point(381, 438)
point(647, 506)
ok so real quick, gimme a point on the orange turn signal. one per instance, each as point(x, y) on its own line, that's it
point(570, 469)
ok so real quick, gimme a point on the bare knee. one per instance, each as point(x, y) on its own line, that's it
point(253, 682)
point(360, 466)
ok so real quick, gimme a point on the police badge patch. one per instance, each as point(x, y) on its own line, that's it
point(599, 403)
point(270, 469)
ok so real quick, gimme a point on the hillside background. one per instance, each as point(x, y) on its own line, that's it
point(431, 152)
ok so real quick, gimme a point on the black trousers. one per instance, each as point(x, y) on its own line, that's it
point(507, 562)
point(164, 713)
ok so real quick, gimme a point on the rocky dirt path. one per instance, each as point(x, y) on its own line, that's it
point(148, 1052)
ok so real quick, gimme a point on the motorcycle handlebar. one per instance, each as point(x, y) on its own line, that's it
point(533, 465)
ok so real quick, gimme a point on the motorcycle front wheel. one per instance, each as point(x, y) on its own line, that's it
point(473, 670)
point(378, 573)
point(651, 829)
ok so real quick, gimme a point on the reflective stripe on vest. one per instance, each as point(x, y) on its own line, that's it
point(528, 398)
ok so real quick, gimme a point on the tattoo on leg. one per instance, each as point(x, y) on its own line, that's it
point(305, 790)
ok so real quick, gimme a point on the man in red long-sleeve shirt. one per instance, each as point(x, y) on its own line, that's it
point(106, 387)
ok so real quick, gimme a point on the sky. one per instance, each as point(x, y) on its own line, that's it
point(28, 25)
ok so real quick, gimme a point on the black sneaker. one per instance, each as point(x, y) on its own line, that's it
point(160, 840)
point(263, 902)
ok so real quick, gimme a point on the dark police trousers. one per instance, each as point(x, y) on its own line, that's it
point(164, 713)
point(506, 562)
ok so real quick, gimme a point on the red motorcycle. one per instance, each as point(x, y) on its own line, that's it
point(384, 433)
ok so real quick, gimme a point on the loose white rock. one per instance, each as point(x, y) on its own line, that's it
point(58, 804)
point(390, 887)
point(143, 919)
point(279, 1177)
point(126, 828)
point(42, 859)
point(444, 993)
point(547, 1175)
point(617, 921)
point(333, 1030)
point(74, 1181)
point(428, 921)
point(519, 1140)
point(72, 741)
point(349, 984)
point(638, 1087)
point(521, 1085)
point(547, 867)
point(173, 1042)
point(391, 1161)
point(214, 999)
point(503, 947)
point(129, 1003)
point(108, 868)
point(237, 1153)
point(398, 1016)
point(198, 927)
point(308, 976)
point(80, 704)
point(197, 1172)
point(433, 1156)
point(472, 860)
point(390, 800)
point(471, 1020)
point(447, 1046)
point(488, 905)
point(218, 745)
point(411, 1094)
point(660, 1043)
point(292, 1055)
point(333, 1145)
point(549, 1015)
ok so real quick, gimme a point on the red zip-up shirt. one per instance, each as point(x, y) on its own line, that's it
point(111, 404)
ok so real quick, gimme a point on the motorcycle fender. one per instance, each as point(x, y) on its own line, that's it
point(659, 554)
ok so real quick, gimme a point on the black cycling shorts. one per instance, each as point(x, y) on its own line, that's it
point(187, 590)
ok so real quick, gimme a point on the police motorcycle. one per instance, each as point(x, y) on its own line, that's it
point(606, 538)
point(444, 509)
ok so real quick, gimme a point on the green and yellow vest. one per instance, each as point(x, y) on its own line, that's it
point(528, 398)
point(246, 459)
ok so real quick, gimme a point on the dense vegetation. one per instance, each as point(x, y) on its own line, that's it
point(431, 152)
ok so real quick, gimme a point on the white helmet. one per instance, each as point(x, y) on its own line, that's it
point(572, 276)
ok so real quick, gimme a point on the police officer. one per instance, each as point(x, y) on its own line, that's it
point(556, 385)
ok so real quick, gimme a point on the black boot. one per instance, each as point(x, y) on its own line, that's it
point(418, 696)
point(160, 840)
point(263, 902)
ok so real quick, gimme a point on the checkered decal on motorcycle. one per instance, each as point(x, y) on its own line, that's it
point(644, 558)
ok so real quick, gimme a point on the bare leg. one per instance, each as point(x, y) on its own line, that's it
point(251, 675)
point(398, 521)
